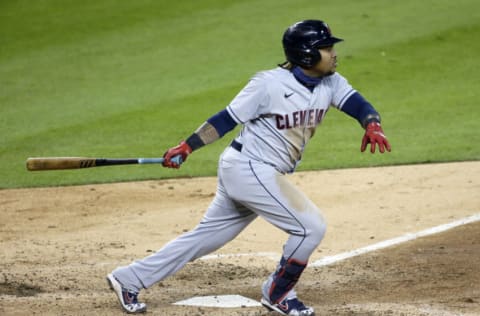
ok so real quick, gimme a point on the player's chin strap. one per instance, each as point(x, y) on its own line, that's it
point(285, 278)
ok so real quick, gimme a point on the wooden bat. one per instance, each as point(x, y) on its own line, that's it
point(58, 163)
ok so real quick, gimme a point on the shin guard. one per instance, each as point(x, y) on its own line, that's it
point(285, 278)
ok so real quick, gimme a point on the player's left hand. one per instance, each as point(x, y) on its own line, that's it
point(373, 136)
point(182, 150)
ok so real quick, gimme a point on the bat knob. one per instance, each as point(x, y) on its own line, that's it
point(177, 159)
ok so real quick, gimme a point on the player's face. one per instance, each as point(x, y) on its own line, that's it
point(328, 64)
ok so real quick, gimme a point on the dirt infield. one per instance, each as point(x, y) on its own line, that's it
point(57, 245)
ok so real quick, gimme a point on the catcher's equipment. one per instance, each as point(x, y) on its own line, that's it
point(302, 40)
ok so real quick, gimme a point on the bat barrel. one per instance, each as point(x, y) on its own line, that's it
point(56, 163)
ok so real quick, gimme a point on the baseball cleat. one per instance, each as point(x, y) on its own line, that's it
point(290, 305)
point(128, 299)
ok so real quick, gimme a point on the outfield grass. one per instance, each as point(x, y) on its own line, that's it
point(132, 78)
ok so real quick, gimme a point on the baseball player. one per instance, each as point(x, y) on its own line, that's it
point(279, 111)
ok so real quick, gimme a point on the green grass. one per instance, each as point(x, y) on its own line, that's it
point(132, 78)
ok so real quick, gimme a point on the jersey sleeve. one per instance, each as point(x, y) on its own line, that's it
point(341, 90)
point(251, 101)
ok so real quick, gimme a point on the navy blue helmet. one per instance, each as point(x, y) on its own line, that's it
point(302, 40)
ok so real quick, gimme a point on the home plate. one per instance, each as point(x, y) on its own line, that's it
point(224, 301)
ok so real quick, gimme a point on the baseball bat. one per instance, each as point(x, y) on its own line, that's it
point(59, 163)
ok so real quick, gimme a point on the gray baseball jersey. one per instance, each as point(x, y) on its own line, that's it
point(280, 115)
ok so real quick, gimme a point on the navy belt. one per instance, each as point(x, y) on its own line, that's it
point(236, 145)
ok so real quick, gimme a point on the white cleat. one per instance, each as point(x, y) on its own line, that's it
point(128, 299)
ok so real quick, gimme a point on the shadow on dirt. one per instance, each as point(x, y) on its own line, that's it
point(19, 290)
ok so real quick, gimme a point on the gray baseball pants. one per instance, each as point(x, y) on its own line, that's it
point(246, 189)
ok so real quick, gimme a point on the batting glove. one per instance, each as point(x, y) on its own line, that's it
point(182, 150)
point(373, 136)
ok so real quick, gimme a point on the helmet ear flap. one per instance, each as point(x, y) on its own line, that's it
point(314, 57)
point(304, 57)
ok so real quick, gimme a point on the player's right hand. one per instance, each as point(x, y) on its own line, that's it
point(182, 149)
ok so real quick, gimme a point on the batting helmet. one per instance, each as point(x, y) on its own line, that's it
point(302, 40)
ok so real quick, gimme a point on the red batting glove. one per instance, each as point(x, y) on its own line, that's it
point(373, 136)
point(183, 149)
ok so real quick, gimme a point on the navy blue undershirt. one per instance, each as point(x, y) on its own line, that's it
point(307, 81)
point(360, 109)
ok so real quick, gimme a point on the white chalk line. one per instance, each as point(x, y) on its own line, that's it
point(395, 241)
point(270, 255)
point(328, 260)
